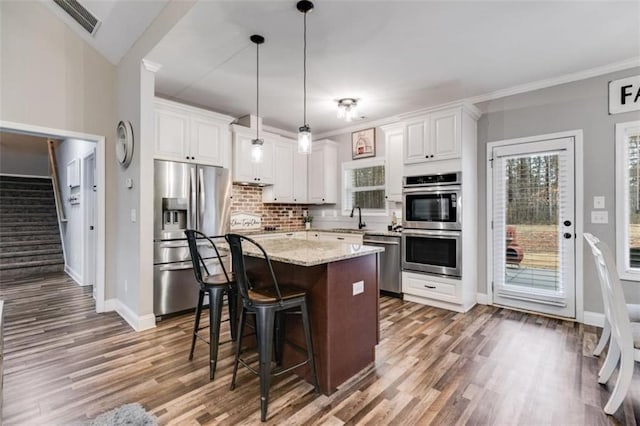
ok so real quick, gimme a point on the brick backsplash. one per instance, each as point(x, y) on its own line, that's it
point(249, 199)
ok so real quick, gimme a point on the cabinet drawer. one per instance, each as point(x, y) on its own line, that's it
point(340, 238)
point(444, 289)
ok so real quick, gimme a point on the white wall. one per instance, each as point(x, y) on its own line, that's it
point(135, 94)
point(329, 210)
point(73, 230)
point(50, 77)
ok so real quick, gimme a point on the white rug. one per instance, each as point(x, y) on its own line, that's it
point(128, 414)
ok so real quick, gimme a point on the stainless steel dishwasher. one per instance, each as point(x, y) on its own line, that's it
point(390, 261)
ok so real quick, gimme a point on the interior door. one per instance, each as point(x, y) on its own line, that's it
point(89, 193)
point(533, 188)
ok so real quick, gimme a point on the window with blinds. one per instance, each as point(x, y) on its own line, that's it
point(628, 199)
point(364, 186)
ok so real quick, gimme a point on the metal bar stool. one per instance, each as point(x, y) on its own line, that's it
point(216, 286)
point(268, 302)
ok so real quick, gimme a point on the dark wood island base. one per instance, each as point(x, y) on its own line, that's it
point(345, 327)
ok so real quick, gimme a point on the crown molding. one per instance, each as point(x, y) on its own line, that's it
point(555, 81)
point(154, 67)
point(355, 128)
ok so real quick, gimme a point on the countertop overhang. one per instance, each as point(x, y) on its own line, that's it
point(308, 253)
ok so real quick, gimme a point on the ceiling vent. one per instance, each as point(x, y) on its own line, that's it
point(80, 14)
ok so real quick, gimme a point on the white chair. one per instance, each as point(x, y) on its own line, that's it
point(625, 335)
point(633, 309)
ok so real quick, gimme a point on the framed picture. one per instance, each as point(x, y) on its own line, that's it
point(363, 143)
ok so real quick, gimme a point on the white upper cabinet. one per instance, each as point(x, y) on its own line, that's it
point(323, 173)
point(445, 134)
point(300, 176)
point(394, 147)
point(187, 134)
point(436, 136)
point(283, 174)
point(244, 170)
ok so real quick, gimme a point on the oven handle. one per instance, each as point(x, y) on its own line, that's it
point(431, 189)
point(420, 232)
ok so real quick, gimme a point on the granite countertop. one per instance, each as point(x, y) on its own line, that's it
point(308, 253)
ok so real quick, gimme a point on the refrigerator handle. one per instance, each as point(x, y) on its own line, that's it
point(201, 195)
point(191, 217)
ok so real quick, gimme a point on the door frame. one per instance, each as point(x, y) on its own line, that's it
point(579, 207)
point(100, 193)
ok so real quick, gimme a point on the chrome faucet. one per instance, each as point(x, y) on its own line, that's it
point(361, 224)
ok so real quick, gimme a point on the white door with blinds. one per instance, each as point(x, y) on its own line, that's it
point(533, 187)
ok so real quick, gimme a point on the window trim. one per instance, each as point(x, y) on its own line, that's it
point(622, 200)
point(361, 164)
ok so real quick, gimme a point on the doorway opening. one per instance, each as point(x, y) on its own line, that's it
point(80, 191)
point(533, 225)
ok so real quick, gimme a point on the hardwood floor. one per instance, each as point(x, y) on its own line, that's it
point(66, 364)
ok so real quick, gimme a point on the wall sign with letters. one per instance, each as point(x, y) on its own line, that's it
point(245, 221)
point(624, 95)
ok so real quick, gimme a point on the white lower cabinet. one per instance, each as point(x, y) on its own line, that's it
point(432, 287)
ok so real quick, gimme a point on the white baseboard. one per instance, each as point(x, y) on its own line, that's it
point(593, 318)
point(110, 305)
point(437, 303)
point(138, 323)
point(482, 299)
point(74, 275)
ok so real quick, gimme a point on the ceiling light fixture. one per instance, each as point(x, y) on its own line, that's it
point(304, 132)
point(257, 149)
point(348, 109)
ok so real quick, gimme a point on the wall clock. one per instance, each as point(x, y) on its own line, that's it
point(124, 144)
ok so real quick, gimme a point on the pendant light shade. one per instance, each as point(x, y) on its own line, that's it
point(257, 143)
point(304, 132)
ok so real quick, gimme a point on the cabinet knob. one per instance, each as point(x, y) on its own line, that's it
point(275, 199)
point(295, 199)
point(431, 155)
point(323, 199)
point(426, 156)
point(187, 157)
point(193, 158)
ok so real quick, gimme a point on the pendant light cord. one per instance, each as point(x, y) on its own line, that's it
point(257, 89)
point(304, 72)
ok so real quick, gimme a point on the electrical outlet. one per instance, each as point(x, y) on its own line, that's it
point(290, 214)
point(358, 287)
point(598, 202)
point(601, 216)
point(133, 215)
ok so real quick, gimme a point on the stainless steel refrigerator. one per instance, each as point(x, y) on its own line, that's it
point(187, 196)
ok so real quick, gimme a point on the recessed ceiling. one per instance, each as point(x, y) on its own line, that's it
point(394, 56)
point(122, 23)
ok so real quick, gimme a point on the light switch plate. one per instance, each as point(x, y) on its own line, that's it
point(598, 202)
point(129, 183)
point(358, 287)
point(133, 215)
point(600, 216)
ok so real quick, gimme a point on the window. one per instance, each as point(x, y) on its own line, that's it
point(628, 199)
point(363, 184)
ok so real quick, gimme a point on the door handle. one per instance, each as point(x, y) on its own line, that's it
point(567, 223)
point(567, 235)
point(201, 194)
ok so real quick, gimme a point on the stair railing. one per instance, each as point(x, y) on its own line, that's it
point(56, 182)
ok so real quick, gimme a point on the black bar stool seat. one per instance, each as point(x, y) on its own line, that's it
point(216, 286)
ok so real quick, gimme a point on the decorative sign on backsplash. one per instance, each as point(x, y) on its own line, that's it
point(245, 221)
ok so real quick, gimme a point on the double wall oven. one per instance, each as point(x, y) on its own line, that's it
point(432, 222)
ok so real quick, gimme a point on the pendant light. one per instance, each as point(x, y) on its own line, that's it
point(304, 132)
point(257, 149)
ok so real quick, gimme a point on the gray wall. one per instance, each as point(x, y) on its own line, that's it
point(578, 105)
point(23, 155)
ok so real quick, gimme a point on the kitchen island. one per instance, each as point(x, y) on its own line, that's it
point(342, 294)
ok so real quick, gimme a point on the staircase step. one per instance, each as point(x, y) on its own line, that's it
point(25, 192)
point(31, 258)
point(30, 217)
point(15, 222)
point(14, 185)
point(10, 274)
point(28, 245)
point(31, 264)
point(32, 228)
point(8, 209)
point(49, 238)
point(32, 252)
point(24, 200)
